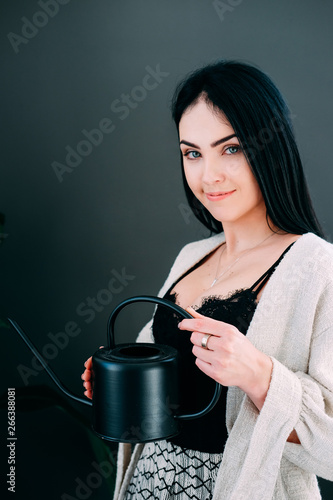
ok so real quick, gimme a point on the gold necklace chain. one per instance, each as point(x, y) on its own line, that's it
point(233, 263)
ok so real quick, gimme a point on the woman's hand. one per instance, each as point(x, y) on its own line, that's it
point(229, 358)
point(87, 377)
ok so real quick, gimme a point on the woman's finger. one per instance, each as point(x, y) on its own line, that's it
point(88, 363)
point(88, 394)
point(86, 375)
point(206, 368)
point(203, 354)
point(194, 313)
point(205, 325)
point(197, 339)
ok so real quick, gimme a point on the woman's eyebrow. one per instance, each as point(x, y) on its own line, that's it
point(213, 144)
point(220, 141)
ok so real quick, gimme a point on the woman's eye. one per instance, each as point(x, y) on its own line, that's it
point(231, 150)
point(192, 155)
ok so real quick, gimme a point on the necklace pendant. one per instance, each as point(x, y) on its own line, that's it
point(213, 283)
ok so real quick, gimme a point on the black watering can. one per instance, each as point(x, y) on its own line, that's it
point(135, 386)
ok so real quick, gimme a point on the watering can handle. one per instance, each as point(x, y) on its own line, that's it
point(177, 309)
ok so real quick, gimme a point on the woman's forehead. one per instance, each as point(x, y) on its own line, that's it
point(202, 121)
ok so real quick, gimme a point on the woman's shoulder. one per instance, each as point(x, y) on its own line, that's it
point(312, 257)
point(311, 239)
point(309, 248)
point(316, 247)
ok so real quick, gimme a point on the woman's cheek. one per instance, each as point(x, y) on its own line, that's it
point(193, 182)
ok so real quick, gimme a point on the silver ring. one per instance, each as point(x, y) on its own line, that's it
point(204, 341)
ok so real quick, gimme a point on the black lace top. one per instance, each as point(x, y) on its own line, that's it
point(209, 432)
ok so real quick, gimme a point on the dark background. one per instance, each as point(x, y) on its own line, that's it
point(122, 208)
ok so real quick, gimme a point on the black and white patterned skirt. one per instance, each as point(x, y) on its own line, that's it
point(166, 472)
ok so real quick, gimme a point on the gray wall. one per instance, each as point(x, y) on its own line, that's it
point(121, 210)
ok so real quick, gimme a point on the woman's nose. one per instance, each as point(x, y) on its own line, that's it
point(212, 172)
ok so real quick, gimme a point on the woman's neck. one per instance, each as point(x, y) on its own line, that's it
point(242, 237)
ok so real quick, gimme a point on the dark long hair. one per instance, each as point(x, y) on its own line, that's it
point(261, 120)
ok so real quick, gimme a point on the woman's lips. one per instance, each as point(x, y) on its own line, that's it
point(219, 195)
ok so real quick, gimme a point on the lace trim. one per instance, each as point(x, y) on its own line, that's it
point(232, 297)
point(237, 308)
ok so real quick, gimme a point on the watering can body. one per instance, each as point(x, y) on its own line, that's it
point(135, 392)
point(135, 386)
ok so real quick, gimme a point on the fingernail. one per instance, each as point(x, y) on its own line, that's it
point(85, 364)
point(179, 325)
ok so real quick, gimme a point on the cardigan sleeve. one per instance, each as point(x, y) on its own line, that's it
point(297, 398)
point(315, 423)
point(307, 395)
point(146, 335)
point(259, 439)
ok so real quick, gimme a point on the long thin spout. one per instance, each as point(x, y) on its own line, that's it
point(40, 358)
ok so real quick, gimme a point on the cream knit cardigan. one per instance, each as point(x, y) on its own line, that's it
point(293, 324)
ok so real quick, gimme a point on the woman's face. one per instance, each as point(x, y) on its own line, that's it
point(215, 167)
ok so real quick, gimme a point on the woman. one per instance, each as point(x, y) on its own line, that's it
point(261, 294)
